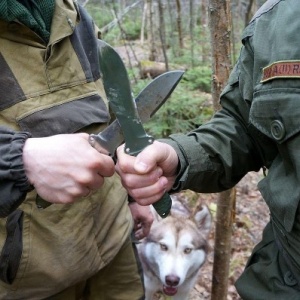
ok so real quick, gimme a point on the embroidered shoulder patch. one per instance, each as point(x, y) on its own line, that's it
point(281, 69)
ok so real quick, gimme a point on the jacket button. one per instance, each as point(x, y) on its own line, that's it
point(277, 130)
point(289, 279)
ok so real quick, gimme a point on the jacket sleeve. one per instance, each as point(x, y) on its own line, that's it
point(217, 155)
point(14, 184)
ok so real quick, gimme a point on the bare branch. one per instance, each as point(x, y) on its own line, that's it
point(118, 18)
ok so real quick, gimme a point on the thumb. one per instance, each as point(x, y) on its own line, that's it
point(150, 158)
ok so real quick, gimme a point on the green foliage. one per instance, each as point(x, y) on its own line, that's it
point(131, 24)
point(101, 15)
point(190, 104)
point(132, 28)
point(199, 78)
point(182, 112)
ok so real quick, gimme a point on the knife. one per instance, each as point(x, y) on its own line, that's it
point(148, 101)
point(118, 91)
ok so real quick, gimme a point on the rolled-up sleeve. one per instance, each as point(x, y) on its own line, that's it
point(14, 183)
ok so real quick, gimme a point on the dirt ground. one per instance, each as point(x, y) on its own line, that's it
point(251, 216)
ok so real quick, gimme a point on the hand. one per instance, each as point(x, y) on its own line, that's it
point(65, 167)
point(143, 219)
point(150, 174)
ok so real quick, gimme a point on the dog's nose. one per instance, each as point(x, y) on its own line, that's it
point(172, 280)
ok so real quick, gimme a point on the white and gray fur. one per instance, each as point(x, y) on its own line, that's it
point(174, 251)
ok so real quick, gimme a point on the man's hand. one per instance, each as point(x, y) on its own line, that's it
point(149, 175)
point(143, 219)
point(65, 167)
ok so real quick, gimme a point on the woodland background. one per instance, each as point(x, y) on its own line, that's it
point(159, 35)
point(201, 37)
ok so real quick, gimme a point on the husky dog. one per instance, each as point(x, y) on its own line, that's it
point(174, 251)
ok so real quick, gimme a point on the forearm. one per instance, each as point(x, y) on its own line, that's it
point(217, 155)
point(210, 163)
point(13, 181)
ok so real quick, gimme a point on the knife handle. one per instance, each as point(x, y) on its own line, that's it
point(163, 205)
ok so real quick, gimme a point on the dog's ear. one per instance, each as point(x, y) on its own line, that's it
point(203, 220)
point(180, 207)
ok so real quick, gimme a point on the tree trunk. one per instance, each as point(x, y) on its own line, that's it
point(204, 31)
point(144, 22)
point(153, 54)
point(172, 28)
point(222, 249)
point(248, 14)
point(220, 22)
point(203, 13)
point(233, 35)
point(192, 31)
point(123, 35)
point(179, 27)
point(220, 26)
point(162, 32)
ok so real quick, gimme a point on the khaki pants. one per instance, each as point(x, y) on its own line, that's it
point(119, 280)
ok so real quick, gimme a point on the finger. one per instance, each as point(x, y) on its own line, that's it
point(102, 164)
point(148, 195)
point(96, 182)
point(134, 181)
point(139, 234)
point(150, 157)
point(143, 163)
point(88, 192)
point(125, 162)
point(80, 191)
point(71, 194)
point(146, 228)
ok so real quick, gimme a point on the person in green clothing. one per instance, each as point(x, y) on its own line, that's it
point(257, 127)
point(51, 99)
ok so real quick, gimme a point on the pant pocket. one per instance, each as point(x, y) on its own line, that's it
point(12, 250)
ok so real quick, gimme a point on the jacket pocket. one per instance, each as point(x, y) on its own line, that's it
point(12, 250)
point(276, 114)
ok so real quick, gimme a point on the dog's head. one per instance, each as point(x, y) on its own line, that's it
point(176, 247)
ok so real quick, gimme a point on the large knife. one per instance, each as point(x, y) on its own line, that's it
point(118, 91)
point(148, 101)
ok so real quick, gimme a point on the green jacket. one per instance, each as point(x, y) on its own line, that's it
point(49, 89)
point(258, 126)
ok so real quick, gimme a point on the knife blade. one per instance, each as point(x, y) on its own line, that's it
point(118, 91)
point(148, 101)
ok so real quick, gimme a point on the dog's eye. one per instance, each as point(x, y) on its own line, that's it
point(163, 247)
point(187, 250)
